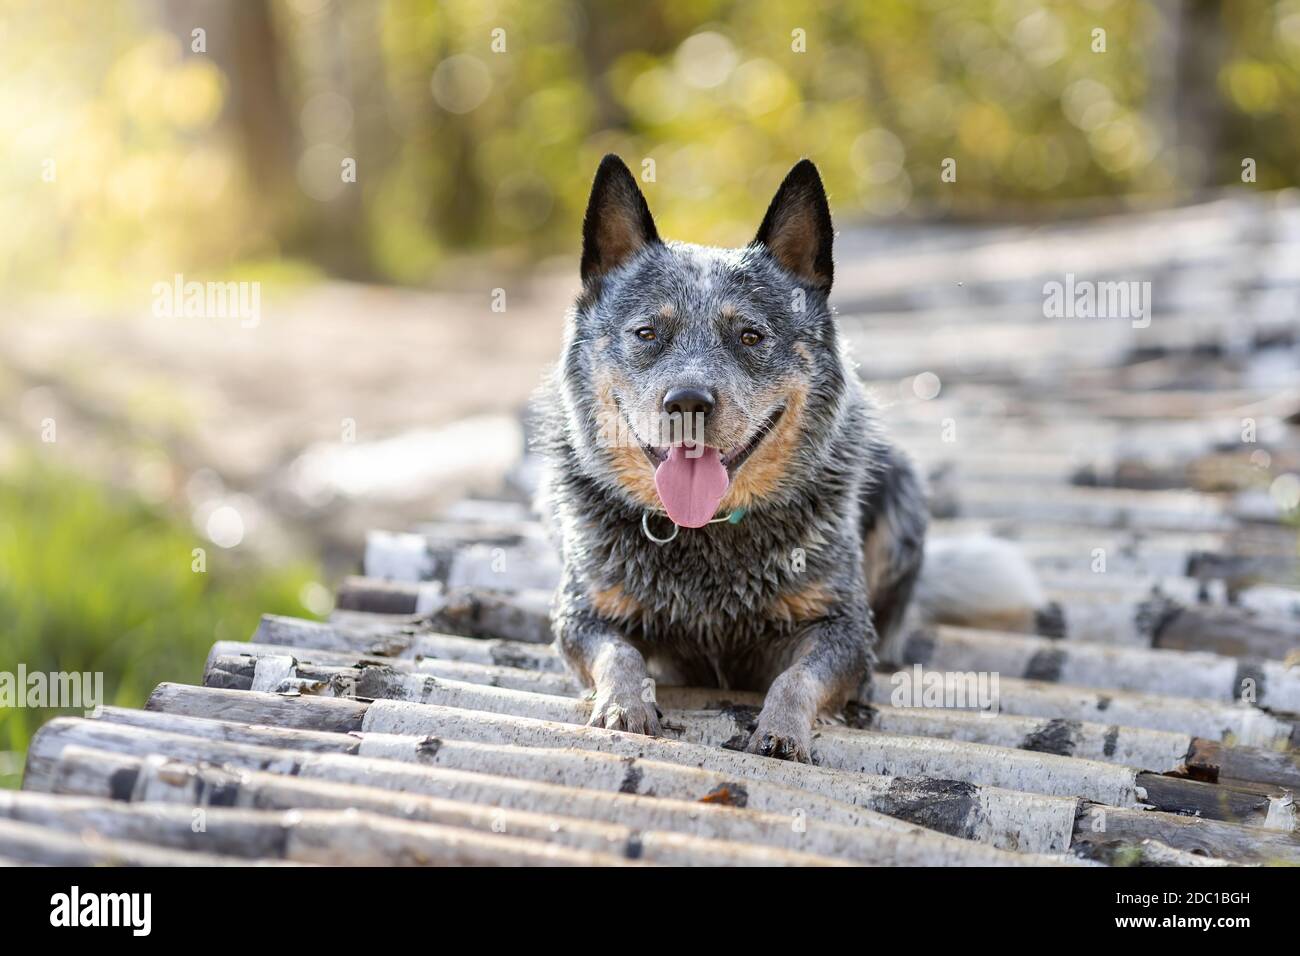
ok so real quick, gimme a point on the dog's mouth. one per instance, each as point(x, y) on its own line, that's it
point(731, 459)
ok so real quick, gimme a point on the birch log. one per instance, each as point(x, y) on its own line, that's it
point(660, 831)
point(31, 844)
point(841, 748)
point(157, 780)
point(1098, 507)
point(854, 750)
point(868, 752)
point(1162, 621)
point(1000, 817)
point(588, 769)
point(1236, 723)
point(796, 830)
point(403, 642)
point(1159, 751)
point(467, 555)
point(432, 831)
point(1214, 720)
point(1180, 673)
point(996, 816)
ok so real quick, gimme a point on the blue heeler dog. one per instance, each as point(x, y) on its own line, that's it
point(728, 514)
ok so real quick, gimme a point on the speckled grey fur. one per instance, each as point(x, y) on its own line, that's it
point(703, 603)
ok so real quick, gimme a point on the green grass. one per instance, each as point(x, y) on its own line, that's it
point(94, 580)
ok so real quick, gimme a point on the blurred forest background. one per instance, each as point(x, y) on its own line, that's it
point(474, 124)
point(211, 138)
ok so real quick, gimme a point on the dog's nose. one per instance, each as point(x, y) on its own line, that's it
point(688, 400)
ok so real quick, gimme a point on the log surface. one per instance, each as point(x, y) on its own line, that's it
point(1147, 714)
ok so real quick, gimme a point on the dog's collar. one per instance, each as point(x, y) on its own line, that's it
point(732, 518)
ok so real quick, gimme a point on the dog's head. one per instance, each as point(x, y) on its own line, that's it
point(695, 378)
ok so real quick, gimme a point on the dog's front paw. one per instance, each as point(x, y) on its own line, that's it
point(782, 735)
point(624, 711)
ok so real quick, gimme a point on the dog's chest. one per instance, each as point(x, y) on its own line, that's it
point(714, 589)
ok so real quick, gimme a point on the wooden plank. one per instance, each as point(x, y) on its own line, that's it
point(850, 835)
point(331, 837)
point(1000, 817)
point(702, 829)
point(31, 844)
point(1160, 751)
point(1181, 673)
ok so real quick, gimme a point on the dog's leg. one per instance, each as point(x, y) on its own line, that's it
point(603, 659)
point(830, 663)
point(894, 520)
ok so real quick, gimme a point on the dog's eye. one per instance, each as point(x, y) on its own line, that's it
point(646, 333)
point(750, 337)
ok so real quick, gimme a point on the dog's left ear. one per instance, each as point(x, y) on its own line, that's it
point(618, 223)
point(797, 228)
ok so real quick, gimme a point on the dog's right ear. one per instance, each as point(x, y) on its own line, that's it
point(618, 223)
point(797, 228)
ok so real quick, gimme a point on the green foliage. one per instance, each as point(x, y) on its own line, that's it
point(476, 125)
point(93, 581)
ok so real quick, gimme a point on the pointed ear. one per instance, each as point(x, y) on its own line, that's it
point(797, 228)
point(618, 222)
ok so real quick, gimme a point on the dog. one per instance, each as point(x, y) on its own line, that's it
point(727, 511)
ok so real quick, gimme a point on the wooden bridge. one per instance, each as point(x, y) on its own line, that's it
point(1147, 466)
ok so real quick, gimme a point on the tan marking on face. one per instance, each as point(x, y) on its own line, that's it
point(729, 311)
point(667, 311)
point(806, 604)
point(805, 353)
point(767, 467)
point(627, 461)
point(602, 343)
point(615, 603)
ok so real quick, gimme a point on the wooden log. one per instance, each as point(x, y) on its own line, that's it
point(1239, 724)
point(1161, 751)
point(868, 752)
point(1015, 814)
point(1180, 673)
point(1215, 720)
point(862, 751)
point(703, 825)
point(1229, 631)
point(1099, 507)
point(383, 596)
point(1000, 817)
point(1228, 839)
point(1245, 763)
point(404, 641)
point(1155, 750)
point(1163, 621)
point(435, 552)
point(588, 769)
point(468, 556)
point(29, 844)
point(799, 829)
point(1189, 834)
point(332, 837)
point(874, 753)
point(1146, 853)
point(1244, 570)
point(155, 780)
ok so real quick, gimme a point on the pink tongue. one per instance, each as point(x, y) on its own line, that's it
point(691, 483)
